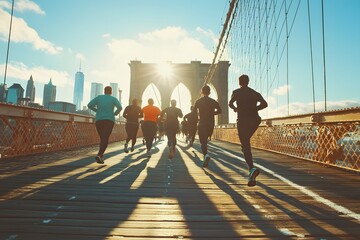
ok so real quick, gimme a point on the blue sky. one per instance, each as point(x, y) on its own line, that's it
point(50, 38)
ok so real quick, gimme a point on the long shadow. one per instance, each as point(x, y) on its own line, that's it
point(318, 172)
point(265, 225)
point(201, 216)
point(76, 193)
point(99, 199)
point(316, 212)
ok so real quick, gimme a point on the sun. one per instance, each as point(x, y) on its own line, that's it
point(165, 69)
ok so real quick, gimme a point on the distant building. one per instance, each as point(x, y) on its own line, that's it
point(35, 105)
point(62, 107)
point(115, 89)
point(15, 92)
point(30, 89)
point(96, 89)
point(78, 89)
point(49, 94)
point(3, 91)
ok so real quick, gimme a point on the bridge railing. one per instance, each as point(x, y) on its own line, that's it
point(26, 130)
point(331, 138)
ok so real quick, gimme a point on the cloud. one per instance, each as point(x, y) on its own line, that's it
point(106, 35)
point(168, 44)
point(26, 5)
point(208, 34)
point(79, 56)
point(167, 35)
point(22, 6)
point(22, 33)
point(282, 90)
point(18, 70)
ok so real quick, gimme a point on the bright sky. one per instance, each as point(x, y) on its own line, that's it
point(50, 38)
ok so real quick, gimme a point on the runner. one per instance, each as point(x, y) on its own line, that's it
point(207, 108)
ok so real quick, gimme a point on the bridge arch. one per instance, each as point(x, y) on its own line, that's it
point(151, 91)
point(191, 75)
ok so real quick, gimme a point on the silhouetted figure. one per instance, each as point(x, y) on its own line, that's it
point(171, 115)
point(151, 114)
point(191, 120)
point(104, 106)
point(132, 113)
point(248, 120)
point(207, 108)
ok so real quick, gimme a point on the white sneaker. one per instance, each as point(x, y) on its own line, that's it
point(206, 160)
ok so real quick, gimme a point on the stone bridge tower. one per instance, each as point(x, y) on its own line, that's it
point(191, 75)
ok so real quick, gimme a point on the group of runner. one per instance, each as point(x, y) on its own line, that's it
point(245, 101)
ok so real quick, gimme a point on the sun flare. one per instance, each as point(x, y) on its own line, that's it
point(165, 69)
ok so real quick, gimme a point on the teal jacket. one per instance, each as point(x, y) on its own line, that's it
point(104, 106)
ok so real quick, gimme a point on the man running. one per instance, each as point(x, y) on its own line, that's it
point(191, 120)
point(151, 114)
point(248, 120)
point(207, 108)
point(171, 115)
point(104, 106)
point(132, 113)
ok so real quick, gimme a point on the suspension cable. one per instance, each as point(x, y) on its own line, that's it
point(212, 66)
point(157, 99)
point(8, 45)
point(323, 42)
point(311, 55)
point(178, 87)
point(287, 60)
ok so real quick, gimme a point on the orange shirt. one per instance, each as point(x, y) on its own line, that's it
point(151, 113)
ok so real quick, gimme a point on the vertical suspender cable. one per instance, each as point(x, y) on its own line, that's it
point(311, 55)
point(157, 99)
point(267, 47)
point(8, 45)
point(323, 36)
point(287, 59)
point(179, 96)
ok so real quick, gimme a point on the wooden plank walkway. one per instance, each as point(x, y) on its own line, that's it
point(67, 195)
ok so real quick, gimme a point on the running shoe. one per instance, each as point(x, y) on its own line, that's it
point(206, 161)
point(254, 172)
point(126, 148)
point(99, 159)
point(148, 153)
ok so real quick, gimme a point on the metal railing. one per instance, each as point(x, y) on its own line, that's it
point(331, 138)
point(26, 130)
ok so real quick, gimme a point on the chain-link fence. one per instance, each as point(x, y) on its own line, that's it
point(26, 131)
point(331, 138)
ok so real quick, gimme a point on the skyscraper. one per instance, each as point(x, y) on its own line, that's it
point(30, 89)
point(78, 89)
point(96, 89)
point(115, 89)
point(49, 94)
point(15, 92)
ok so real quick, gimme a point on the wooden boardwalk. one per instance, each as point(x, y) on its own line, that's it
point(67, 195)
